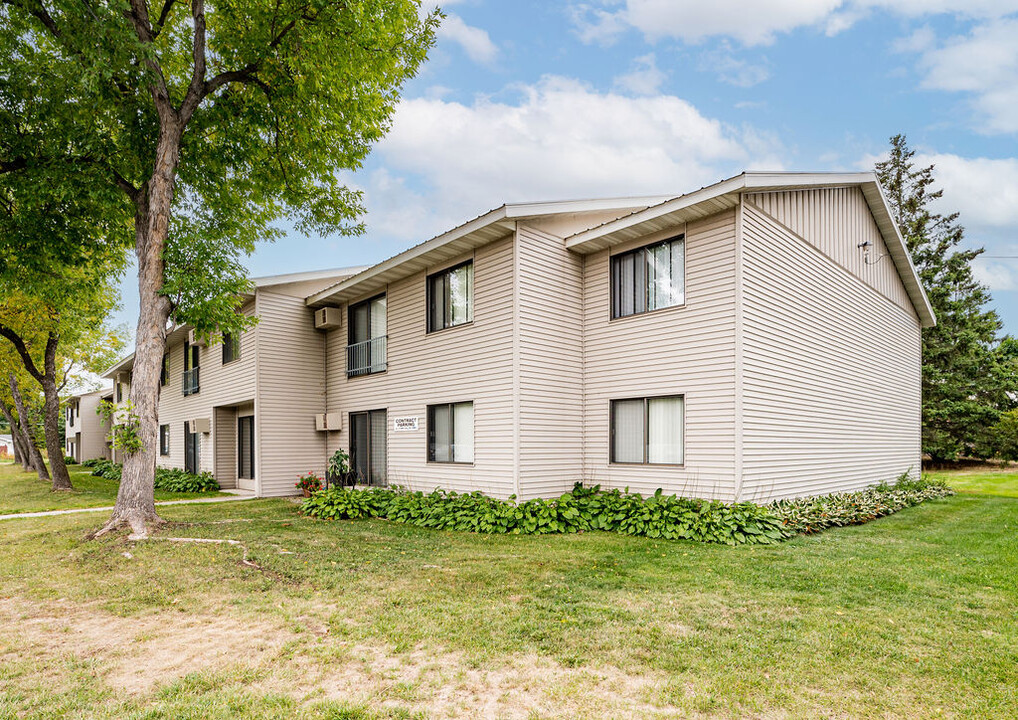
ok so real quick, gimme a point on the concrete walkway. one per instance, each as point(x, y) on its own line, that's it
point(109, 508)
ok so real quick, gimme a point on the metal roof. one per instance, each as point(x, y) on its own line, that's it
point(492, 225)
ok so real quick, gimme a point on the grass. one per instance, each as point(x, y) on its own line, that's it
point(24, 492)
point(983, 479)
point(910, 616)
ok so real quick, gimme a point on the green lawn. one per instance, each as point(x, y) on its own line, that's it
point(982, 479)
point(910, 616)
point(21, 492)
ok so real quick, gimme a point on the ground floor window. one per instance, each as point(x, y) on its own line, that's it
point(451, 433)
point(647, 430)
point(367, 446)
point(164, 440)
point(245, 447)
point(192, 450)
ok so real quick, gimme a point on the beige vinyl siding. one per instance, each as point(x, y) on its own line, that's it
point(686, 350)
point(291, 391)
point(471, 362)
point(225, 432)
point(836, 221)
point(831, 371)
point(89, 431)
point(550, 329)
point(219, 385)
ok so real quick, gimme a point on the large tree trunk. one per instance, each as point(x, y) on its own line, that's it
point(21, 454)
point(26, 427)
point(51, 426)
point(135, 506)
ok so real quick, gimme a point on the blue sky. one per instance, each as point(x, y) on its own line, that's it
point(555, 100)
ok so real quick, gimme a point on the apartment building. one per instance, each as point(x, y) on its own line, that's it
point(85, 431)
point(755, 339)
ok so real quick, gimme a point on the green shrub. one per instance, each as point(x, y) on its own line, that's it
point(815, 514)
point(106, 469)
point(583, 509)
point(92, 463)
point(169, 479)
point(69, 460)
point(176, 480)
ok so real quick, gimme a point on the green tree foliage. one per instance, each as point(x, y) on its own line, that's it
point(202, 125)
point(969, 376)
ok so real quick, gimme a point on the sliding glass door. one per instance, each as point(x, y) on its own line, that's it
point(367, 446)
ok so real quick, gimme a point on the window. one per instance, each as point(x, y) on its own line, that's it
point(231, 348)
point(191, 380)
point(245, 447)
point(366, 351)
point(649, 278)
point(164, 373)
point(164, 440)
point(367, 446)
point(451, 297)
point(120, 393)
point(647, 430)
point(192, 450)
point(451, 433)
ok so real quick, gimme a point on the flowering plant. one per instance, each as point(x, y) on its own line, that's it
point(309, 483)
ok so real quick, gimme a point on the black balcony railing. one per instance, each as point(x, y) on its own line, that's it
point(366, 357)
point(190, 382)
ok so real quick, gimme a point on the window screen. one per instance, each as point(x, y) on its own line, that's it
point(648, 278)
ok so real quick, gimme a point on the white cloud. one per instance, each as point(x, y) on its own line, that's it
point(760, 21)
point(985, 64)
point(996, 274)
point(644, 79)
point(732, 70)
point(983, 190)
point(447, 161)
point(476, 43)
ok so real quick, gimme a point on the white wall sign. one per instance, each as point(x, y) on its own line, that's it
point(406, 424)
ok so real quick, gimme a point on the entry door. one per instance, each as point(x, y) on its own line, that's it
point(192, 451)
point(367, 446)
point(246, 452)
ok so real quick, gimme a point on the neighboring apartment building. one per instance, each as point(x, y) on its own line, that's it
point(244, 409)
point(85, 431)
point(755, 339)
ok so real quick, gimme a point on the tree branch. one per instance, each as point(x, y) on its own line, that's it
point(19, 345)
point(165, 13)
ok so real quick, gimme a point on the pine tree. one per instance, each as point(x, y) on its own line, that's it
point(966, 380)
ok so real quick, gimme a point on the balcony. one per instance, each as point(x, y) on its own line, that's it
point(190, 382)
point(365, 358)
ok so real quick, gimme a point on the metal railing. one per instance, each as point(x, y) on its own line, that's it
point(190, 382)
point(366, 357)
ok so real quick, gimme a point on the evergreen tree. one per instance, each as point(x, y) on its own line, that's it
point(967, 380)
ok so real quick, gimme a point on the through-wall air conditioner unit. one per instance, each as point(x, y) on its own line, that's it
point(328, 422)
point(200, 425)
point(193, 339)
point(327, 318)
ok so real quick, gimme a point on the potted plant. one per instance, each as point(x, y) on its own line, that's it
point(339, 469)
point(309, 483)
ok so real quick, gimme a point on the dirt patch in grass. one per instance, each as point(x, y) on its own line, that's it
point(140, 654)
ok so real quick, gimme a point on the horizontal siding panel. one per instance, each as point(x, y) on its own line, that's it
point(831, 366)
point(467, 363)
point(688, 350)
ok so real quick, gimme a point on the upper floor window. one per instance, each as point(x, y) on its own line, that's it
point(366, 351)
point(164, 373)
point(649, 278)
point(231, 348)
point(120, 392)
point(451, 297)
point(191, 378)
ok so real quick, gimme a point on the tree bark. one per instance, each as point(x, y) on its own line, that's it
point(26, 426)
point(51, 426)
point(135, 506)
point(17, 439)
